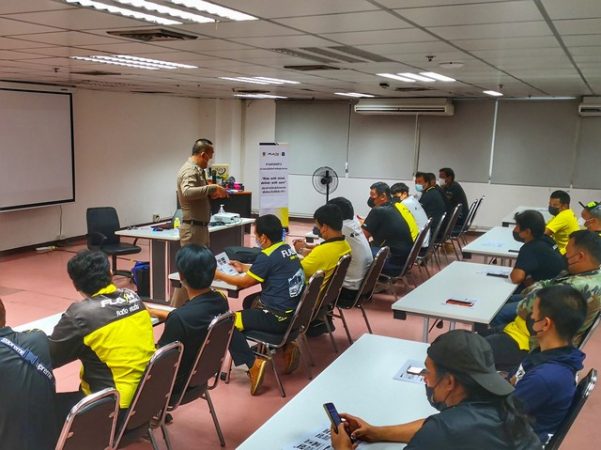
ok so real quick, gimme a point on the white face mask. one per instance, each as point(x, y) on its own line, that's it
point(441, 182)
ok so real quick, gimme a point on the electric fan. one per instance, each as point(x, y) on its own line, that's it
point(325, 181)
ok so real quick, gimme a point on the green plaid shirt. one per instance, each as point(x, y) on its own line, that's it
point(588, 283)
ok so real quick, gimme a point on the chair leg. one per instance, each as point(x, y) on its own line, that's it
point(207, 397)
point(305, 344)
point(457, 252)
point(348, 333)
point(166, 436)
point(153, 441)
point(443, 250)
point(366, 321)
point(277, 377)
point(427, 271)
point(331, 334)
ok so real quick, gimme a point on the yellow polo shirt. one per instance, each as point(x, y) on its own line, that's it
point(406, 213)
point(562, 225)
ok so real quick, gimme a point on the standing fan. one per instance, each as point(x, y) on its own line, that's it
point(325, 180)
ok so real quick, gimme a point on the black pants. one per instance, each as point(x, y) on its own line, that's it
point(258, 319)
point(347, 297)
point(506, 351)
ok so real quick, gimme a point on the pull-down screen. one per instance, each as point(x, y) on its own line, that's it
point(36, 149)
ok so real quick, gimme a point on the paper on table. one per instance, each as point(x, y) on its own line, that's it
point(223, 263)
point(403, 375)
point(319, 440)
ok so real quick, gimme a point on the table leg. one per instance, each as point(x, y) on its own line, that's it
point(452, 324)
point(426, 328)
point(158, 268)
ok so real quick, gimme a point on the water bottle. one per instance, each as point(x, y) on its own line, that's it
point(176, 223)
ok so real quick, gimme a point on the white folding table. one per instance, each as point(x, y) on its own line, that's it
point(508, 220)
point(164, 244)
point(498, 242)
point(486, 286)
point(359, 382)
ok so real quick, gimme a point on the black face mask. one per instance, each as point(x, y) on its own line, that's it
point(370, 202)
point(517, 237)
point(553, 211)
point(439, 406)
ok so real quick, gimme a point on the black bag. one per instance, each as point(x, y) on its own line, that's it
point(245, 255)
point(141, 275)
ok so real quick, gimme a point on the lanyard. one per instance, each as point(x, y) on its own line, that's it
point(29, 357)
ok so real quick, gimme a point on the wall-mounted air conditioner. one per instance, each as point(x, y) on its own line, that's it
point(590, 107)
point(408, 106)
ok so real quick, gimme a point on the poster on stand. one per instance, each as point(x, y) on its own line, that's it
point(273, 180)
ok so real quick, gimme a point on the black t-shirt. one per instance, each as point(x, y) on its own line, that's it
point(455, 194)
point(188, 324)
point(28, 418)
point(469, 426)
point(434, 204)
point(540, 259)
point(387, 227)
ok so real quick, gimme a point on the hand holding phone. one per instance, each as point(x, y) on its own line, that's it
point(333, 415)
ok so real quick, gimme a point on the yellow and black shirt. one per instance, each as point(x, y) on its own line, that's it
point(325, 257)
point(111, 333)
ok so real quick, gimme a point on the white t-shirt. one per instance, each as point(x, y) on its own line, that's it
point(361, 256)
point(415, 207)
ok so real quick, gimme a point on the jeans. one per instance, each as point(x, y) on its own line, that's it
point(508, 312)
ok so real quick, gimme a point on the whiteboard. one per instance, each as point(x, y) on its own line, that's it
point(36, 149)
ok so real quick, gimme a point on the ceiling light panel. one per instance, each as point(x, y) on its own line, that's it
point(392, 76)
point(259, 80)
point(134, 62)
point(213, 9)
point(130, 13)
point(416, 77)
point(167, 10)
point(438, 76)
point(258, 96)
point(354, 94)
point(493, 93)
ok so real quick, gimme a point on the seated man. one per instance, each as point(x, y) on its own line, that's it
point(564, 221)
point(454, 193)
point(189, 323)
point(539, 257)
point(401, 192)
point(387, 227)
point(592, 216)
point(360, 251)
point(583, 257)
point(110, 331)
point(406, 213)
point(432, 201)
point(476, 408)
point(28, 418)
point(545, 381)
point(278, 270)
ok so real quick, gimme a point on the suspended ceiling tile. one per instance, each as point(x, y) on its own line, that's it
point(581, 26)
point(69, 38)
point(351, 22)
point(254, 28)
point(507, 43)
point(498, 30)
point(572, 9)
point(79, 19)
point(13, 27)
point(292, 8)
point(402, 35)
point(294, 41)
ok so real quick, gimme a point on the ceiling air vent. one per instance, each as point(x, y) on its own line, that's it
point(590, 107)
point(153, 35)
point(310, 67)
point(304, 55)
point(96, 73)
point(360, 53)
point(412, 89)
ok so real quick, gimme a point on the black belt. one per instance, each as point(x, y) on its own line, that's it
point(195, 222)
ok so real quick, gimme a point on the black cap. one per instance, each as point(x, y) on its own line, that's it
point(468, 353)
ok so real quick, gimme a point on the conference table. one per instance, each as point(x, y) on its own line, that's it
point(498, 242)
point(164, 244)
point(509, 220)
point(462, 292)
point(359, 382)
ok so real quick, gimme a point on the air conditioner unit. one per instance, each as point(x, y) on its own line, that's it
point(590, 107)
point(409, 106)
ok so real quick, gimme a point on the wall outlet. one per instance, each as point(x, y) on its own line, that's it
point(61, 237)
point(156, 217)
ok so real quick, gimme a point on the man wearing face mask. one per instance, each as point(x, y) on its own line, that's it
point(564, 221)
point(400, 191)
point(454, 192)
point(583, 257)
point(544, 382)
point(592, 216)
point(431, 199)
point(476, 408)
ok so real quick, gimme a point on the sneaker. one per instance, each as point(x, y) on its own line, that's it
point(256, 373)
point(291, 357)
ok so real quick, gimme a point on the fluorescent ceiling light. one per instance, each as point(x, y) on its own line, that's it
point(493, 93)
point(133, 61)
point(276, 80)
point(416, 77)
point(123, 12)
point(161, 9)
point(438, 76)
point(395, 77)
point(259, 96)
point(354, 94)
point(243, 80)
point(206, 7)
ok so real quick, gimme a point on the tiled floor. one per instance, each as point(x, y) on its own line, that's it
point(35, 285)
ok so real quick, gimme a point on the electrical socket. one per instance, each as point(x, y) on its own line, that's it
point(156, 217)
point(61, 237)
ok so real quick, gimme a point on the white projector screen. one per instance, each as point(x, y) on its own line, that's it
point(36, 149)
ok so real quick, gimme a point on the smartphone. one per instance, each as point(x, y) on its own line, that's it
point(335, 419)
point(414, 370)
point(498, 275)
point(453, 301)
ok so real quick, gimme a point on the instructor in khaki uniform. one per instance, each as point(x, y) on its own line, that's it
point(194, 192)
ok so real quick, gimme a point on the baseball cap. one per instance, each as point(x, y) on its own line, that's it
point(468, 353)
point(593, 207)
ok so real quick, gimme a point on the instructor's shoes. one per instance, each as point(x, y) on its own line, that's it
point(256, 373)
point(291, 357)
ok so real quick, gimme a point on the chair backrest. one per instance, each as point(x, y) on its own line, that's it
point(91, 423)
point(417, 246)
point(368, 285)
point(589, 333)
point(334, 287)
point(103, 220)
point(475, 212)
point(154, 390)
point(583, 391)
point(446, 235)
point(304, 311)
point(467, 220)
point(435, 232)
point(209, 358)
